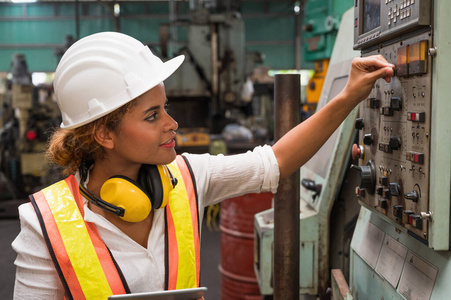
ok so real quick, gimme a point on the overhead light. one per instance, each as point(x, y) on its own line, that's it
point(117, 9)
point(297, 7)
point(23, 1)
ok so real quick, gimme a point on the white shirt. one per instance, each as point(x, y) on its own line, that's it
point(217, 178)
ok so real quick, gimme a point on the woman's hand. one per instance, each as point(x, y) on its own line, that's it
point(301, 143)
point(364, 73)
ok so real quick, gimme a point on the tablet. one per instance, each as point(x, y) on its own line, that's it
point(182, 294)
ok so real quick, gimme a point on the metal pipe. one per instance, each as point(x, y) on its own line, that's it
point(287, 89)
point(77, 21)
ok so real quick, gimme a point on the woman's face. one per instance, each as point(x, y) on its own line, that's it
point(146, 134)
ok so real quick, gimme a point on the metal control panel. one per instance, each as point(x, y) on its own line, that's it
point(377, 21)
point(394, 131)
point(399, 128)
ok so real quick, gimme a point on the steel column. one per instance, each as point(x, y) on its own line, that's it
point(287, 89)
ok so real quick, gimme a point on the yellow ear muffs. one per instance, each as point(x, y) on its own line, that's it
point(125, 193)
point(158, 180)
point(167, 183)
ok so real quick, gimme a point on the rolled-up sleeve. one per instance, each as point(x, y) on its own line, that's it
point(220, 177)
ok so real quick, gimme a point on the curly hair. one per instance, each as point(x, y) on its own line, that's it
point(69, 148)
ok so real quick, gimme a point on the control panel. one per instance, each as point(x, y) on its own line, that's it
point(395, 125)
point(377, 21)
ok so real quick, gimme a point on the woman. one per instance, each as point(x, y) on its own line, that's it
point(110, 91)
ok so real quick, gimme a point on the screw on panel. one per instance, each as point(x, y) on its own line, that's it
point(432, 52)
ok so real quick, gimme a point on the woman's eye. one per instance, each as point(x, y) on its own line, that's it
point(152, 117)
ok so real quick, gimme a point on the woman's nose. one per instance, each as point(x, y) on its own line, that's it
point(172, 124)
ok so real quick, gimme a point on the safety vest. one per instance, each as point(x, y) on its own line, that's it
point(82, 260)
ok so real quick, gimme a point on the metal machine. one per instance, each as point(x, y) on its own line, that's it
point(321, 22)
point(327, 215)
point(400, 249)
point(212, 82)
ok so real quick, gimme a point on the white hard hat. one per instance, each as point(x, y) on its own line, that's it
point(104, 71)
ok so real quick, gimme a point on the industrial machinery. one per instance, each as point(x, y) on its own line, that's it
point(328, 214)
point(28, 113)
point(400, 249)
point(321, 22)
point(212, 82)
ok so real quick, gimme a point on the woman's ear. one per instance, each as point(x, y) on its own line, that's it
point(103, 136)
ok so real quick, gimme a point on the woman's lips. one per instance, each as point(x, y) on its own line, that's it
point(169, 144)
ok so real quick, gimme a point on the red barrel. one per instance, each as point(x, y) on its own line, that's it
point(238, 279)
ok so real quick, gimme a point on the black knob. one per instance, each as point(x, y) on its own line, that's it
point(309, 184)
point(412, 196)
point(359, 124)
point(312, 186)
point(368, 139)
point(367, 176)
point(395, 143)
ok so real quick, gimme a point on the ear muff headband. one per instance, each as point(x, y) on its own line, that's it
point(168, 182)
point(129, 200)
point(118, 211)
point(159, 181)
point(125, 193)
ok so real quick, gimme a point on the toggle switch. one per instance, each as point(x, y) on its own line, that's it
point(412, 196)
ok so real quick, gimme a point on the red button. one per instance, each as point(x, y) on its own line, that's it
point(416, 157)
point(410, 219)
point(412, 116)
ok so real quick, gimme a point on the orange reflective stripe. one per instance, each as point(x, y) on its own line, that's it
point(172, 251)
point(182, 235)
point(106, 261)
point(57, 249)
point(96, 270)
point(194, 210)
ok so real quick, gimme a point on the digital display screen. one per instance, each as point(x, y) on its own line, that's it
point(371, 14)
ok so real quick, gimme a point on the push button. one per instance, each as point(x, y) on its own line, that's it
point(405, 216)
point(397, 211)
point(395, 103)
point(417, 221)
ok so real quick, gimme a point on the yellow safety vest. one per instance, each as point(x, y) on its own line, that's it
point(82, 260)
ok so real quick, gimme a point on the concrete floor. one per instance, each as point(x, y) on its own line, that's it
point(210, 259)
